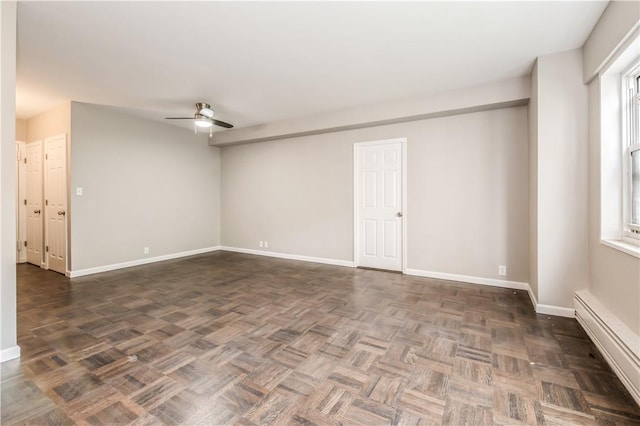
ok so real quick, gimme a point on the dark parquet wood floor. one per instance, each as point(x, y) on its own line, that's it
point(226, 338)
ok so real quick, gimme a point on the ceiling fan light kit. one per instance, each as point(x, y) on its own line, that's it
point(202, 121)
point(203, 118)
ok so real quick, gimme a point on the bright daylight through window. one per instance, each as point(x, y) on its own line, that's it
point(631, 117)
point(635, 189)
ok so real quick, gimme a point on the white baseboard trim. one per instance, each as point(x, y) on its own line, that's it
point(324, 260)
point(619, 345)
point(138, 262)
point(9, 353)
point(559, 311)
point(516, 285)
point(468, 279)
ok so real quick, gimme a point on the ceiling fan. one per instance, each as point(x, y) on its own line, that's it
point(203, 118)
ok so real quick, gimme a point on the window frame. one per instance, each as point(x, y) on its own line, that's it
point(630, 109)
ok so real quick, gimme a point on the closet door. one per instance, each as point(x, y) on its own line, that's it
point(379, 179)
point(56, 203)
point(34, 203)
point(21, 198)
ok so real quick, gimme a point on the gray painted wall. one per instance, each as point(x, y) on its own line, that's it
point(533, 182)
point(145, 184)
point(8, 330)
point(562, 255)
point(614, 275)
point(618, 20)
point(467, 193)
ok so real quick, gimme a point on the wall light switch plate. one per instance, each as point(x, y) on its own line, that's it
point(79, 191)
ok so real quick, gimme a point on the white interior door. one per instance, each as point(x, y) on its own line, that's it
point(55, 187)
point(379, 204)
point(34, 203)
point(21, 202)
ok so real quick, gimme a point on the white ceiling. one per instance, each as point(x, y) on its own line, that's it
point(259, 62)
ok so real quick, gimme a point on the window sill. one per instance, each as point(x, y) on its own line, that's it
point(622, 246)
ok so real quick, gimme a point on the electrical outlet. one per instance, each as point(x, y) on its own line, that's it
point(266, 244)
point(261, 243)
point(146, 250)
point(502, 270)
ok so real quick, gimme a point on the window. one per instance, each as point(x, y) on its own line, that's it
point(631, 153)
point(616, 92)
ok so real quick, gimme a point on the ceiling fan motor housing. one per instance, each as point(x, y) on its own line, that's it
point(204, 109)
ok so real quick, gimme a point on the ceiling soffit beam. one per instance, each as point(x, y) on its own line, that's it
point(498, 105)
point(504, 94)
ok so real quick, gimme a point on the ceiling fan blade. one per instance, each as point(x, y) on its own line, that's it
point(216, 122)
point(222, 124)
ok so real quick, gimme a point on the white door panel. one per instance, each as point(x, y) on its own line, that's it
point(370, 238)
point(379, 205)
point(390, 189)
point(34, 203)
point(390, 238)
point(21, 197)
point(370, 190)
point(56, 203)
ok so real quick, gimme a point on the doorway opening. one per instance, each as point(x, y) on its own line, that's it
point(42, 203)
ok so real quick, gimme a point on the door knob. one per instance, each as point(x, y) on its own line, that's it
point(399, 214)
point(61, 213)
point(37, 211)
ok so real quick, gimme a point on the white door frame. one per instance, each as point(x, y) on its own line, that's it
point(356, 189)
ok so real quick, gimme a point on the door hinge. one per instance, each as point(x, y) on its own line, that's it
point(25, 160)
point(18, 246)
point(46, 156)
point(25, 243)
point(46, 202)
point(47, 249)
point(25, 202)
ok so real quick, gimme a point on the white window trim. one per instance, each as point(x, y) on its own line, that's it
point(623, 246)
point(614, 150)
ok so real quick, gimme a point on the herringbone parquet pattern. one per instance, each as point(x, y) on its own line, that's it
point(227, 338)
